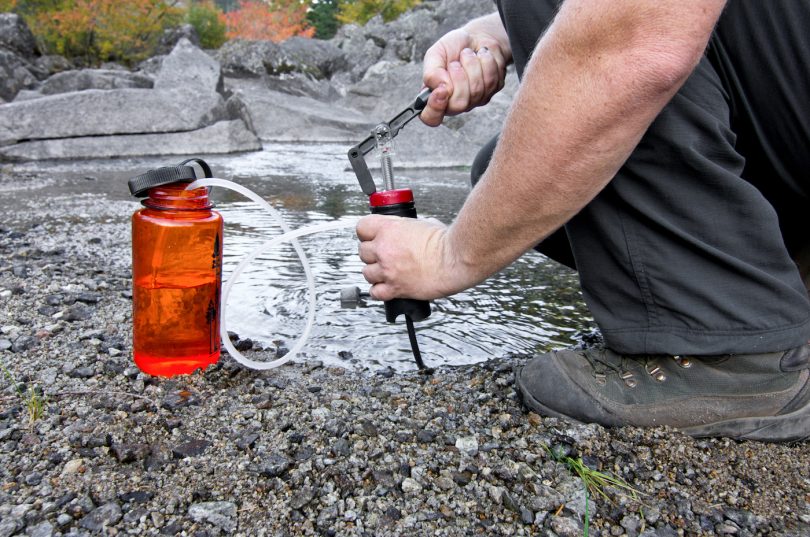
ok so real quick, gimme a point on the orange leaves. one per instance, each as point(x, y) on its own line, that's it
point(103, 30)
point(274, 20)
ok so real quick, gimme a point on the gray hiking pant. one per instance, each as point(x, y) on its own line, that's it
point(699, 245)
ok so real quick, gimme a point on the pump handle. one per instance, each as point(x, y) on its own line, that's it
point(358, 152)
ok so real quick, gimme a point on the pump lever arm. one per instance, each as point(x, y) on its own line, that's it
point(357, 152)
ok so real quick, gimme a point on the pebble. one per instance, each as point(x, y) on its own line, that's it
point(467, 445)
point(125, 453)
point(101, 517)
point(411, 486)
point(275, 465)
point(221, 514)
point(72, 466)
point(43, 529)
point(192, 448)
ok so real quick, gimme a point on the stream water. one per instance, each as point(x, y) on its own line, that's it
point(531, 306)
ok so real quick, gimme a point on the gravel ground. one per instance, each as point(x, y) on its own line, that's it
point(309, 449)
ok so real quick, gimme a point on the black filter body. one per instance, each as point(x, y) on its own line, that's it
point(416, 310)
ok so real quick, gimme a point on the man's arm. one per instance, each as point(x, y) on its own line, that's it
point(597, 79)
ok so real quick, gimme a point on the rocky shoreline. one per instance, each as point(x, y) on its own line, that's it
point(309, 449)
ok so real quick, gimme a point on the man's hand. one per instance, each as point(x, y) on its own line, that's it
point(408, 258)
point(465, 68)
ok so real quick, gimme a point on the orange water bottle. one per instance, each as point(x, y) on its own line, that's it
point(176, 272)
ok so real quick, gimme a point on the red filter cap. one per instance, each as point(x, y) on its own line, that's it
point(390, 197)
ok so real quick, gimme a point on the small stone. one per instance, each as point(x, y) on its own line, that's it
point(341, 447)
point(275, 465)
point(88, 298)
point(526, 516)
point(72, 466)
point(77, 312)
point(367, 428)
point(33, 479)
point(565, 527)
point(82, 372)
point(302, 497)
point(130, 452)
point(112, 351)
point(43, 529)
point(24, 343)
point(462, 478)
point(246, 440)
point(101, 517)
point(136, 496)
point(468, 445)
point(726, 529)
point(192, 448)
point(219, 514)
point(411, 486)
point(9, 526)
point(445, 483)
point(63, 520)
point(424, 436)
point(5, 344)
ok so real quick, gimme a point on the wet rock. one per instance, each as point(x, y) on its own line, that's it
point(219, 514)
point(192, 448)
point(102, 517)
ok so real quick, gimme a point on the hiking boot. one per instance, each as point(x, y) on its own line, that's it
point(752, 396)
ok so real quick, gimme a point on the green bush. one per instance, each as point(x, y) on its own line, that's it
point(206, 18)
point(361, 11)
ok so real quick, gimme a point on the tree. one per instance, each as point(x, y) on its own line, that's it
point(209, 22)
point(322, 15)
point(95, 31)
point(274, 20)
point(361, 11)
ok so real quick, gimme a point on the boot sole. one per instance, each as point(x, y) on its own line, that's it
point(792, 427)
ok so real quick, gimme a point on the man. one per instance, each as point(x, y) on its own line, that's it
point(671, 140)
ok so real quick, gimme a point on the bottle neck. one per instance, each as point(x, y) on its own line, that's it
point(175, 197)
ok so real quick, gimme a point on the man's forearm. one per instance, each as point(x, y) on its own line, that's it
point(596, 80)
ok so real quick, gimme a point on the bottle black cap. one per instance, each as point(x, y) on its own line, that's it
point(140, 185)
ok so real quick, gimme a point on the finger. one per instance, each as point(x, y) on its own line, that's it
point(373, 273)
point(368, 226)
point(366, 251)
point(381, 291)
point(475, 75)
point(434, 111)
point(434, 67)
point(460, 98)
point(490, 72)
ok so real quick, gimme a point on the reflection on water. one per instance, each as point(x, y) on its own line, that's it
point(531, 306)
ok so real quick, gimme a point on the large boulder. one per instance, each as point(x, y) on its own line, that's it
point(223, 137)
point(172, 36)
point(15, 74)
point(188, 67)
point(280, 116)
point(185, 112)
point(99, 112)
point(313, 57)
point(360, 50)
point(103, 79)
point(16, 37)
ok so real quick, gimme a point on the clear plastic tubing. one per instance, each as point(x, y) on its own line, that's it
point(288, 236)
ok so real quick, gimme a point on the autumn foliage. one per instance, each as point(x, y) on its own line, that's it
point(274, 20)
point(95, 31)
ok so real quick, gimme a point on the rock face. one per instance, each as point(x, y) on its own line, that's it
point(185, 112)
point(304, 90)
